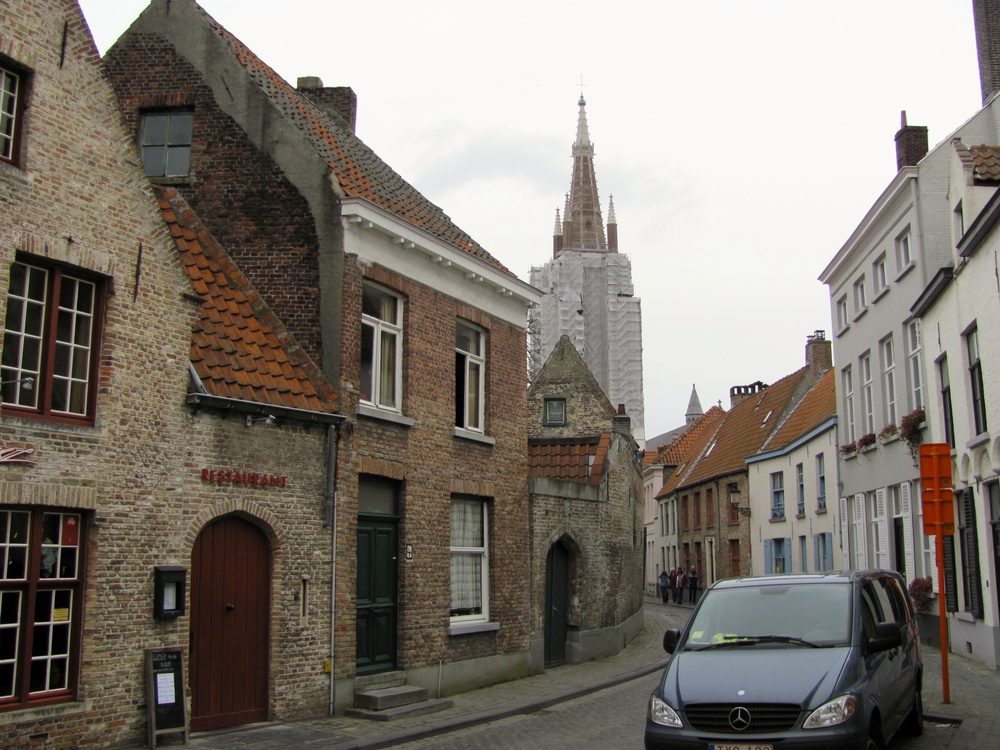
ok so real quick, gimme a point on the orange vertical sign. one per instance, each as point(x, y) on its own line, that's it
point(936, 492)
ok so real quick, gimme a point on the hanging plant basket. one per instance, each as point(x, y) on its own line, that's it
point(911, 430)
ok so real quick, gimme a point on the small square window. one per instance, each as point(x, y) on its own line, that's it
point(555, 411)
point(166, 143)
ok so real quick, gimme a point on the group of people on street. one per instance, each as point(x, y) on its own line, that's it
point(672, 585)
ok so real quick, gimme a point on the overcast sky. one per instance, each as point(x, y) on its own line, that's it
point(742, 140)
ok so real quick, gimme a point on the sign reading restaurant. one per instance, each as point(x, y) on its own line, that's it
point(247, 478)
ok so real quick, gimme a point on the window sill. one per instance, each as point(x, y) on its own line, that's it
point(978, 440)
point(965, 616)
point(477, 437)
point(778, 519)
point(467, 628)
point(386, 416)
point(905, 270)
point(880, 294)
point(860, 314)
point(844, 329)
point(821, 510)
point(46, 712)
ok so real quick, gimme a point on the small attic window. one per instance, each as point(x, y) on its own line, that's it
point(711, 447)
point(767, 417)
point(555, 411)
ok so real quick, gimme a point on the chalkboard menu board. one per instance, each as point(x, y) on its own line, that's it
point(165, 699)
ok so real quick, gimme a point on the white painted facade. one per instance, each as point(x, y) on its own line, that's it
point(963, 303)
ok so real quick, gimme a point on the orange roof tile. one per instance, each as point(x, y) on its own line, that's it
point(987, 162)
point(572, 459)
point(817, 406)
point(235, 349)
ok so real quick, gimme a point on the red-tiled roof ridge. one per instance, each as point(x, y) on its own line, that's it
point(683, 452)
point(239, 347)
point(817, 406)
point(745, 428)
point(359, 171)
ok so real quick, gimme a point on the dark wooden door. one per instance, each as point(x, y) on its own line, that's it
point(556, 604)
point(376, 600)
point(230, 611)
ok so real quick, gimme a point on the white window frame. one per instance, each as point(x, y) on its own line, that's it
point(916, 374)
point(878, 275)
point(800, 481)
point(904, 251)
point(470, 548)
point(386, 341)
point(11, 115)
point(820, 481)
point(860, 297)
point(889, 380)
point(778, 494)
point(843, 316)
point(470, 365)
point(847, 378)
point(867, 394)
point(977, 388)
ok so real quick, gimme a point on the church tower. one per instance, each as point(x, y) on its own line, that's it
point(588, 292)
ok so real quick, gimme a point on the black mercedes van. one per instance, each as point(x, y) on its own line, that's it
point(789, 662)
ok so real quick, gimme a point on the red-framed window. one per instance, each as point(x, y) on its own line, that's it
point(41, 592)
point(51, 345)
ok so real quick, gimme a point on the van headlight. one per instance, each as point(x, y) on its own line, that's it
point(832, 713)
point(661, 713)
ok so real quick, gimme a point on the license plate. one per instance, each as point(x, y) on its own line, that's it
point(728, 746)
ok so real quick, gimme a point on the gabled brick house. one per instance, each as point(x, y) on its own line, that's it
point(586, 515)
point(419, 329)
point(133, 463)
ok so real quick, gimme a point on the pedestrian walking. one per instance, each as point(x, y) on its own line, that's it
point(692, 581)
point(664, 585)
point(673, 585)
point(682, 582)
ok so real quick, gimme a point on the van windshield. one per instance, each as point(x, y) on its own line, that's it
point(789, 615)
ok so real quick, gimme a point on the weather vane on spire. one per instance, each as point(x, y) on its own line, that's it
point(581, 87)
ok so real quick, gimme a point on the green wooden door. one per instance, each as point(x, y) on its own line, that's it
point(376, 598)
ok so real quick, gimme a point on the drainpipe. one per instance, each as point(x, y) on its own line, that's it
point(330, 521)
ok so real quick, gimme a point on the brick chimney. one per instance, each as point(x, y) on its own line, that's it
point(819, 354)
point(621, 422)
point(340, 101)
point(987, 18)
point(911, 143)
point(740, 393)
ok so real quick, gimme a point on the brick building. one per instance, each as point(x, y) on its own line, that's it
point(586, 515)
point(419, 329)
point(137, 366)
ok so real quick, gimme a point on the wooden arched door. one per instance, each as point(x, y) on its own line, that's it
point(230, 631)
point(556, 604)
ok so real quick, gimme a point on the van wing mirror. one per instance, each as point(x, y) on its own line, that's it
point(886, 637)
point(670, 640)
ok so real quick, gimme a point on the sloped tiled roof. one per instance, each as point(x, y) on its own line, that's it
point(239, 348)
point(683, 453)
point(358, 170)
point(817, 406)
point(986, 161)
point(744, 429)
point(576, 460)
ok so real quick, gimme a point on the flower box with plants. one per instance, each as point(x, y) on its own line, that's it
point(911, 430)
point(887, 433)
point(866, 441)
point(848, 449)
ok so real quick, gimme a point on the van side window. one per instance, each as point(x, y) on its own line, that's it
point(871, 614)
point(896, 600)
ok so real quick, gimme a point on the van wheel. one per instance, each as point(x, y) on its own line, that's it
point(914, 722)
point(874, 739)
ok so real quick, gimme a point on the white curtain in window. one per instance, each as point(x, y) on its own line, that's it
point(466, 557)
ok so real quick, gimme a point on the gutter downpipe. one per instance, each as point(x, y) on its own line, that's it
point(330, 521)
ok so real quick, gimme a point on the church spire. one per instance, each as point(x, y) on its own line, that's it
point(582, 217)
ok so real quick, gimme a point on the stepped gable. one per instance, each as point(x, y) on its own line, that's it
point(359, 171)
point(239, 348)
point(745, 428)
point(816, 407)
